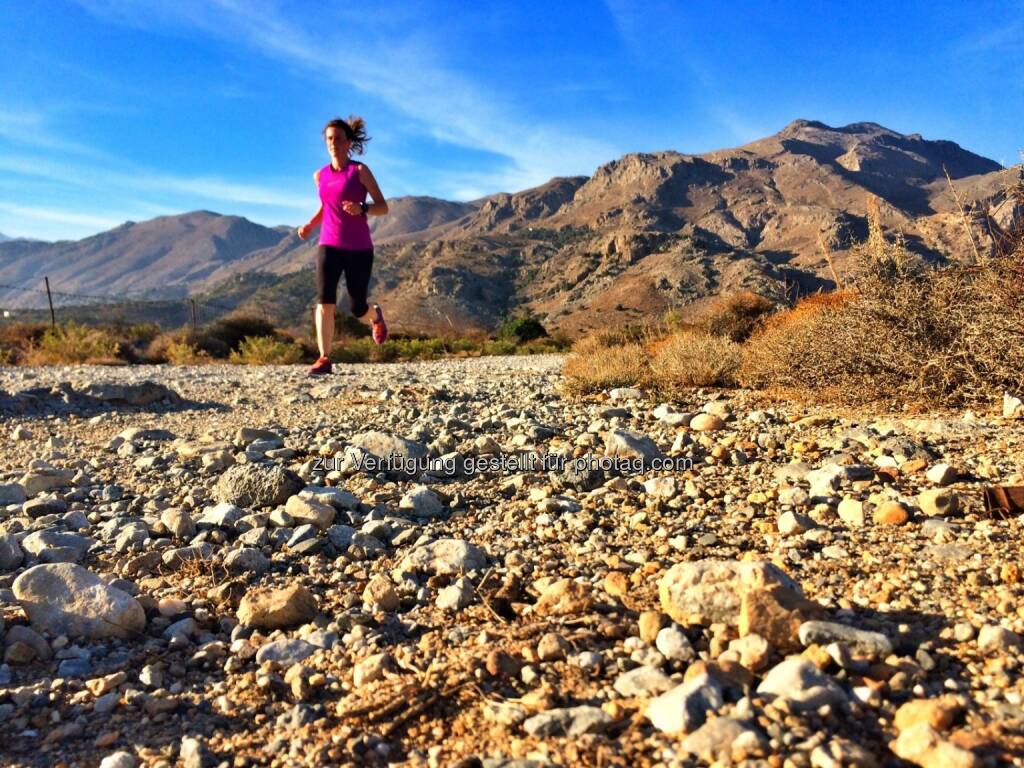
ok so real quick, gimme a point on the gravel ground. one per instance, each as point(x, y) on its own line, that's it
point(220, 566)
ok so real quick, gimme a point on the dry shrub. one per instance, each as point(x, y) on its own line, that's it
point(695, 359)
point(71, 343)
point(903, 332)
point(733, 315)
point(17, 338)
point(606, 359)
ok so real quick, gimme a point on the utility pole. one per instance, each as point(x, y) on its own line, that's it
point(49, 298)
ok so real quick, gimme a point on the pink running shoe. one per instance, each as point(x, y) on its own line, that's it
point(380, 328)
point(322, 365)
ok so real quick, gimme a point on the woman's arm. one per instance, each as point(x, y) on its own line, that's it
point(309, 226)
point(305, 229)
point(380, 205)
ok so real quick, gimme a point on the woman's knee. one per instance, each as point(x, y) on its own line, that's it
point(358, 307)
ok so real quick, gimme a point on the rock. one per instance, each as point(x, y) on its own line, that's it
point(939, 713)
point(246, 560)
point(643, 681)
point(923, 745)
point(30, 639)
point(754, 651)
point(873, 645)
point(193, 754)
point(338, 498)
point(801, 684)
point(11, 555)
point(938, 502)
point(422, 502)
point(178, 522)
point(571, 721)
point(341, 536)
point(223, 515)
point(257, 485)
point(384, 445)
point(649, 624)
point(552, 647)
point(713, 741)
point(661, 487)
point(380, 594)
point(142, 393)
point(445, 556)
point(631, 445)
point(371, 669)
point(625, 393)
point(791, 523)
point(685, 708)
point(941, 474)
point(66, 599)
point(286, 651)
point(851, 512)
point(564, 597)
point(119, 760)
point(1013, 408)
point(246, 435)
point(37, 481)
point(12, 493)
point(993, 637)
point(20, 434)
point(708, 591)
point(455, 596)
point(890, 513)
point(175, 558)
point(277, 608)
point(309, 512)
point(673, 644)
point(706, 422)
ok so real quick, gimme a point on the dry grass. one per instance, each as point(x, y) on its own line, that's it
point(605, 360)
point(695, 359)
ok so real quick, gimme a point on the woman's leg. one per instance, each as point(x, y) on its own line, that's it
point(324, 318)
point(329, 264)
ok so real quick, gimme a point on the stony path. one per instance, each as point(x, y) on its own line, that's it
point(229, 572)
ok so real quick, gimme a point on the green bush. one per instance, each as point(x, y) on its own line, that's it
point(71, 343)
point(266, 350)
point(521, 328)
point(228, 332)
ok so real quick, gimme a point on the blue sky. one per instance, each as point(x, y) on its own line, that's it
point(114, 109)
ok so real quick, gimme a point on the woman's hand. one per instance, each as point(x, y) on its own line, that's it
point(352, 208)
point(303, 231)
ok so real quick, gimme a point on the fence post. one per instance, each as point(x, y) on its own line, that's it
point(49, 298)
point(194, 331)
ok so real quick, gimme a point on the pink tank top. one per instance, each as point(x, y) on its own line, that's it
point(337, 228)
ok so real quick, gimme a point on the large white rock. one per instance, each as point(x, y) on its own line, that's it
point(66, 599)
point(445, 556)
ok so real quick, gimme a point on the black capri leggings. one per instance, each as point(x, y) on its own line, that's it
point(357, 266)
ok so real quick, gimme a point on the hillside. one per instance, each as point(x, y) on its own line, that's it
point(645, 232)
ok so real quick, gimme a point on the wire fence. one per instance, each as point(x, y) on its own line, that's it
point(97, 307)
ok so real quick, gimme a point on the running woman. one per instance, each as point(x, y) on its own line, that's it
point(345, 243)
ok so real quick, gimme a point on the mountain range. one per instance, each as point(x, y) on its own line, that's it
point(644, 233)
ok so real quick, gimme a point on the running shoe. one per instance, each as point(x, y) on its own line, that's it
point(322, 365)
point(380, 328)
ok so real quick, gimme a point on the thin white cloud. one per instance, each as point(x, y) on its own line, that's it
point(147, 180)
point(405, 73)
point(31, 129)
point(51, 214)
